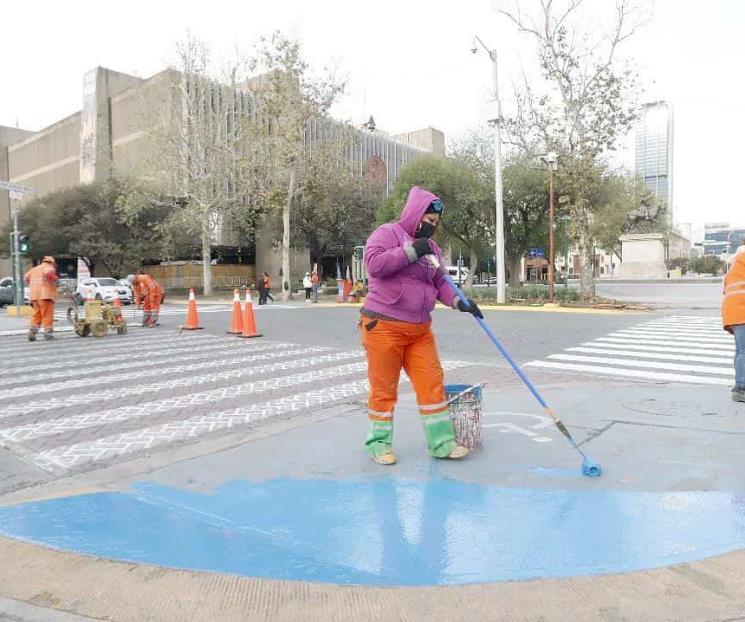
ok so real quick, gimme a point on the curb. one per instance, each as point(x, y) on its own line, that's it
point(102, 589)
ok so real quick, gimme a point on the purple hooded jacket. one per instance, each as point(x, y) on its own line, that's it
point(400, 286)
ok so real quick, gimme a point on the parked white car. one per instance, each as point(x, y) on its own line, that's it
point(6, 292)
point(453, 272)
point(102, 289)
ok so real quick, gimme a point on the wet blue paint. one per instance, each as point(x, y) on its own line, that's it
point(387, 531)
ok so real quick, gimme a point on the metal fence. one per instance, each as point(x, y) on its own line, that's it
point(196, 282)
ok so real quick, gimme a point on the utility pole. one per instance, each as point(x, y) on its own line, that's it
point(15, 194)
point(497, 172)
point(550, 160)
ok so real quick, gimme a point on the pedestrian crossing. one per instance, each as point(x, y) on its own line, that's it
point(678, 348)
point(88, 404)
point(132, 314)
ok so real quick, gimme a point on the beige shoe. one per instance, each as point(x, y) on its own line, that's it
point(458, 452)
point(389, 458)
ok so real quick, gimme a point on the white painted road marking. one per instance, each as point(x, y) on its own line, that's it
point(652, 351)
point(630, 373)
point(117, 445)
point(100, 395)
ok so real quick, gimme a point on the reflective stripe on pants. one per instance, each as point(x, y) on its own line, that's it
point(392, 346)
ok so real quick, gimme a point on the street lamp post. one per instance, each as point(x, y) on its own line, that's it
point(550, 160)
point(499, 265)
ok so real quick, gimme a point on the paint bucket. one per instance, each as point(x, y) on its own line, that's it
point(465, 411)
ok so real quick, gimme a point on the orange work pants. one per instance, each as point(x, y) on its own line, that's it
point(151, 308)
point(43, 314)
point(392, 346)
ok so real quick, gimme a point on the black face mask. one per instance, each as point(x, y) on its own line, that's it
point(425, 230)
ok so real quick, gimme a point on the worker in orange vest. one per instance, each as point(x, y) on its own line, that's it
point(148, 293)
point(42, 283)
point(733, 317)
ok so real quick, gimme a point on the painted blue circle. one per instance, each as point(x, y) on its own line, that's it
point(387, 531)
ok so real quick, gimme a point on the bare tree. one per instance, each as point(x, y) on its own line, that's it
point(288, 98)
point(584, 106)
point(197, 143)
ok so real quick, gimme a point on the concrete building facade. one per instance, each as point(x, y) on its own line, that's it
point(722, 239)
point(108, 135)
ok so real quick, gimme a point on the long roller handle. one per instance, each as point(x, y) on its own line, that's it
point(518, 370)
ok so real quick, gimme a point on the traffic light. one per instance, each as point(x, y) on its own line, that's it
point(24, 245)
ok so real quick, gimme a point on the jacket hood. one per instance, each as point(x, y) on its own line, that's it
point(416, 204)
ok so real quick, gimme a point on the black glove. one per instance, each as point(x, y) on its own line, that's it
point(422, 247)
point(473, 308)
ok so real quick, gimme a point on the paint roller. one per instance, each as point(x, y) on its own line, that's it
point(590, 467)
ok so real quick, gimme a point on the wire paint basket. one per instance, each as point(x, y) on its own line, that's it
point(465, 411)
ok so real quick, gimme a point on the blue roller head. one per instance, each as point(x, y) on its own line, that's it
point(590, 468)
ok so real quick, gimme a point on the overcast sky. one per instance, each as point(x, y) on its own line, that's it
point(407, 63)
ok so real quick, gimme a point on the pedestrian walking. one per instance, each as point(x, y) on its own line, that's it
point(261, 288)
point(733, 317)
point(267, 288)
point(307, 286)
point(148, 294)
point(358, 291)
point(395, 327)
point(42, 283)
point(315, 284)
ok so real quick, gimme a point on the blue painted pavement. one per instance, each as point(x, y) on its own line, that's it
point(387, 531)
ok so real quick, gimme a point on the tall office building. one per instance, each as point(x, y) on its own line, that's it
point(654, 151)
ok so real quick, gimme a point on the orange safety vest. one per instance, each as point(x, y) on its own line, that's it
point(146, 286)
point(733, 305)
point(42, 282)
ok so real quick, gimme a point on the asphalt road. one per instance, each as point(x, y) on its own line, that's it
point(526, 334)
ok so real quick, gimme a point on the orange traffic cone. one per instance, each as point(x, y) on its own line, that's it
point(116, 303)
point(236, 322)
point(192, 319)
point(249, 321)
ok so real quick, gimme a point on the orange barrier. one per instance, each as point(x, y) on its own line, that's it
point(236, 321)
point(249, 321)
point(192, 318)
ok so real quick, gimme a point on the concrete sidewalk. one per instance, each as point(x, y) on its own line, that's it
point(676, 444)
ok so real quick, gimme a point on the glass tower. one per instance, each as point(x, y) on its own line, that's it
point(654, 151)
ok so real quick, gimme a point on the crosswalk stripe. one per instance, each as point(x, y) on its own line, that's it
point(656, 335)
point(704, 369)
point(160, 341)
point(209, 356)
point(99, 395)
point(212, 396)
point(667, 342)
point(675, 331)
point(634, 345)
point(152, 352)
point(109, 447)
point(653, 355)
point(719, 338)
point(77, 422)
point(673, 349)
point(73, 344)
point(631, 373)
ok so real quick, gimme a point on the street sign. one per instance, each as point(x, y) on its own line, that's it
point(15, 188)
point(536, 252)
